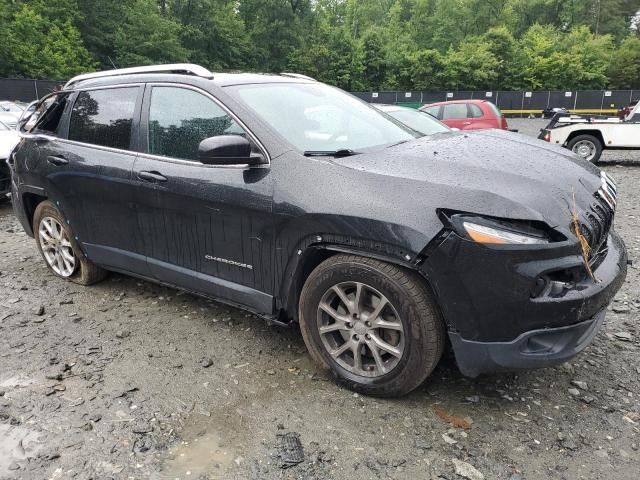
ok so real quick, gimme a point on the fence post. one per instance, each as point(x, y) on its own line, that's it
point(522, 106)
point(575, 101)
point(548, 97)
point(35, 86)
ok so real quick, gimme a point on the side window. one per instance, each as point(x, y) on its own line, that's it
point(46, 118)
point(433, 111)
point(475, 111)
point(179, 119)
point(104, 117)
point(455, 111)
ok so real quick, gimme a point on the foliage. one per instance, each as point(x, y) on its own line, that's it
point(354, 44)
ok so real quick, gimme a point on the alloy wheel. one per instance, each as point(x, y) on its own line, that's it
point(360, 329)
point(56, 247)
point(585, 149)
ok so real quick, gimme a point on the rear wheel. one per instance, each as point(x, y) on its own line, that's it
point(59, 249)
point(373, 324)
point(586, 146)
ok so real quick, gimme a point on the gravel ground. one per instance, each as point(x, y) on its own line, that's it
point(127, 379)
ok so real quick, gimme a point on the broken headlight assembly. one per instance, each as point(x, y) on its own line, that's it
point(495, 231)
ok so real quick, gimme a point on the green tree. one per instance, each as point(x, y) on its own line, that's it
point(40, 48)
point(213, 33)
point(624, 72)
point(146, 37)
point(472, 66)
point(374, 68)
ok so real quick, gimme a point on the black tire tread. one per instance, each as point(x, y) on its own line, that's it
point(596, 141)
point(87, 272)
point(421, 300)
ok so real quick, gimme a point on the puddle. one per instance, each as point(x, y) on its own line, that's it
point(207, 454)
point(209, 448)
point(16, 445)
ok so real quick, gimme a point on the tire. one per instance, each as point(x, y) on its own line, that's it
point(410, 304)
point(84, 271)
point(586, 140)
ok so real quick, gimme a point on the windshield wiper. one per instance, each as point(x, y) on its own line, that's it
point(343, 152)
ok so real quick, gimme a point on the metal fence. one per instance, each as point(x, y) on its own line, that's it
point(517, 103)
point(511, 103)
point(26, 90)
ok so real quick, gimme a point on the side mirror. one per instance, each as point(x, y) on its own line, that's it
point(227, 150)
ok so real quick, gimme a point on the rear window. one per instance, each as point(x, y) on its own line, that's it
point(104, 117)
point(50, 120)
point(495, 109)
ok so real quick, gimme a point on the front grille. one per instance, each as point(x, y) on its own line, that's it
point(598, 219)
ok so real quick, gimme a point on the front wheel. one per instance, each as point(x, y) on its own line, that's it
point(373, 324)
point(587, 147)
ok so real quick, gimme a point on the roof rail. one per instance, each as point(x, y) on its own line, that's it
point(298, 75)
point(184, 68)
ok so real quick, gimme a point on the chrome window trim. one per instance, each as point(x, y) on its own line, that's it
point(262, 148)
point(99, 147)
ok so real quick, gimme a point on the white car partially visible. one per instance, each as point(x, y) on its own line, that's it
point(10, 119)
point(9, 137)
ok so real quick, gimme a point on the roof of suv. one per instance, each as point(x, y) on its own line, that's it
point(469, 100)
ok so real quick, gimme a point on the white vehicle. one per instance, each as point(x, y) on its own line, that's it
point(10, 119)
point(8, 139)
point(589, 136)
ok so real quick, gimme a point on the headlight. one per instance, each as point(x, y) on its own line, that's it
point(485, 234)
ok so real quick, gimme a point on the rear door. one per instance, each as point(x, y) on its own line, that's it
point(90, 173)
point(456, 115)
point(207, 228)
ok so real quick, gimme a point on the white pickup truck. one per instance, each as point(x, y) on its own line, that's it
point(588, 136)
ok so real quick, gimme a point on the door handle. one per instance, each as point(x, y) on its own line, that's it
point(151, 176)
point(466, 123)
point(56, 160)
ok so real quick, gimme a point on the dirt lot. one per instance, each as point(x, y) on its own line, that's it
point(127, 379)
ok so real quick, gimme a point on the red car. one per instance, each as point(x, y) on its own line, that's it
point(467, 114)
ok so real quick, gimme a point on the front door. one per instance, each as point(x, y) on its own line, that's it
point(206, 228)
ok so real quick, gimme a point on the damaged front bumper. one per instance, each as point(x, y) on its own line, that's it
point(497, 316)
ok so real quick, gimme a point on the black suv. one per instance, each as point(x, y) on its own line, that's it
point(299, 202)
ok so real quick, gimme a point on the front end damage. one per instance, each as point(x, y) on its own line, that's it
point(509, 307)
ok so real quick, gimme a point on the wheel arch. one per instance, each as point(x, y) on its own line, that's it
point(30, 201)
point(597, 134)
point(304, 261)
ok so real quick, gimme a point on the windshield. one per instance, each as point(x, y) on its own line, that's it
point(3, 127)
point(319, 118)
point(419, 121)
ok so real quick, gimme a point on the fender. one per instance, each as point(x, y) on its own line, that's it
point(314, 249)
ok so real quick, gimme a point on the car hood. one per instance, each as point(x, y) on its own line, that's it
point(489, 172)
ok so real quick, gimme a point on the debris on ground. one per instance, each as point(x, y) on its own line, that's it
point(467, 470)
point(454, 420)
point(289, 451)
